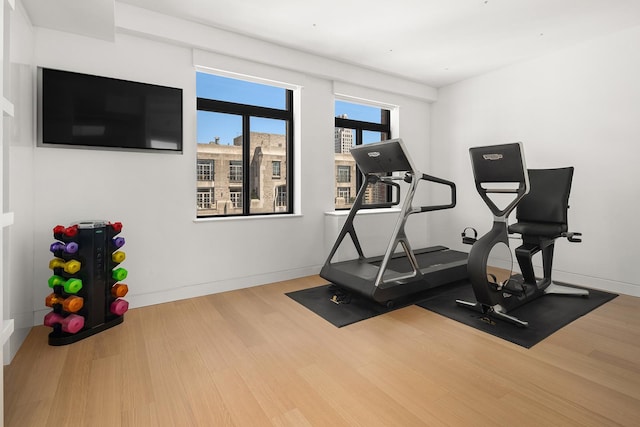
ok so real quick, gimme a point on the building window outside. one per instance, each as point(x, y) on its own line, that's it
point(344, 193)
point(235, 171)
point(205, 170)
point(281, 196)
point(205, 198)
point(357, 124)
point(275, 169)
point(236, 198)
point(244, 127)
point(344, 173)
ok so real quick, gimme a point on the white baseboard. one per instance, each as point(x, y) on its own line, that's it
point(578, 279)
point(193, 291)
point(597, 283)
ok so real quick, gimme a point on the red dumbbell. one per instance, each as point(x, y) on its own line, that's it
point(119, 307)
point(71, 231)
point(72, 324)
point(67, 231)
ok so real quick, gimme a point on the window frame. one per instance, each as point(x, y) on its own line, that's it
point(359, 126)
point(247, 111)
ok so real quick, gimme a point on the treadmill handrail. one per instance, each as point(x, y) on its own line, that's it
point(388, 181)
point(437, 180)
point(399, 236)
point(429, 208)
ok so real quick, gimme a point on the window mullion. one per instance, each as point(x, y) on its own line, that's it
point(359, 176)
point(290, 148)
point(246, 154)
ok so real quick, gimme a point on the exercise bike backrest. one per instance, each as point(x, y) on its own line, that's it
point(544, 211)
point(500, 169)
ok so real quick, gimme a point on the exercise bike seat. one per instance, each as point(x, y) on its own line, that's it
point(543, 211)
point(548, 230)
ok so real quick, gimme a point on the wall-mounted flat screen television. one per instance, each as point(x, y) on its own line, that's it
point(86, 111)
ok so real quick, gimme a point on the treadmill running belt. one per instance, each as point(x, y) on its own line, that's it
point(427, 259)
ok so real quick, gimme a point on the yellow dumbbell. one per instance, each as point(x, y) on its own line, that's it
point(118, 256)
point(71, 266)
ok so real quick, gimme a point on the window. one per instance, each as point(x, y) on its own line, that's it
point(275, 169)
point(205, 170)
point(205, 198)
point(235, 171)
point(281, 196)
point(244, 127)
point(236, 198)
point(344, 173)
point(343, 198)
point(357, 124)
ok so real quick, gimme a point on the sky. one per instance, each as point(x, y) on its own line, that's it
point(229, 126)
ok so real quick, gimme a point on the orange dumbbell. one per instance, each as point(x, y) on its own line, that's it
point(119, 290)
point(70, 304)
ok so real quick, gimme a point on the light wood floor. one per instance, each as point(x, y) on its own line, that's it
point(254, 357)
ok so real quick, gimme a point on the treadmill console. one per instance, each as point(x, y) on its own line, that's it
point(382, 157)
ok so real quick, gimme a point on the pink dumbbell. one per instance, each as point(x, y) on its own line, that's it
point(119, 307)
point(72, 323)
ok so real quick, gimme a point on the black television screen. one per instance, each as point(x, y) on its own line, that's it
point(81, 110)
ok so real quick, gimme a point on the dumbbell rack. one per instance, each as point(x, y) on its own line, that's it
point(86, 256)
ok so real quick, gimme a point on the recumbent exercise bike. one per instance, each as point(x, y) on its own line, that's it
point(541, 197)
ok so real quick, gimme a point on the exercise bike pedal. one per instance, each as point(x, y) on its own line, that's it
point(514, 288)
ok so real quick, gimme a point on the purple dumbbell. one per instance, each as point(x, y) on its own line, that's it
point(56, 246)
point(70, 248)
point(118, 242)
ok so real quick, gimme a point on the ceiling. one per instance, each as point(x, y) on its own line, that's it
point(436, 42)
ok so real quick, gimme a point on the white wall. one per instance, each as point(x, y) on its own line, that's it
point(580, 107)
point(169, 255)
point(19, 136)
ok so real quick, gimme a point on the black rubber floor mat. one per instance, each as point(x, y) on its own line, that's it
point(545, 315)
point(342, 309)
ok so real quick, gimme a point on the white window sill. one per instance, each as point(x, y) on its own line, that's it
point(375, 211)
point(246, 218)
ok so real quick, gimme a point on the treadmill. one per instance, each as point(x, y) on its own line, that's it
point(396, 274)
